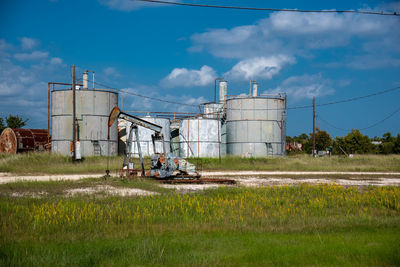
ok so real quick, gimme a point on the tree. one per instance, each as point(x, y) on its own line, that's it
point(16, 121)
point(353, 143)
point(2, 127)
point(322, 140)
point(396, 148)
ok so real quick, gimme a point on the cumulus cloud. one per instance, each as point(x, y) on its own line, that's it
point(137, 103)
point(56, 60)
point(23, 82)
point(182, 77)
point(304, 87)
point(35, 55)
point(302, 35)
point(259, 67)
point(126, 5)
point(111, 72)
point(28, 43)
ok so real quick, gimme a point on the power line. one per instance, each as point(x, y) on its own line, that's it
point(288, 108)
point(365, 128)
point(270, 9)
point(147, 97)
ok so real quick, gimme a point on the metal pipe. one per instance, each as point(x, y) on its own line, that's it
point(139, 150)
point(73, 114)
point(215, 88)
point(48, 113)
point(313, 139)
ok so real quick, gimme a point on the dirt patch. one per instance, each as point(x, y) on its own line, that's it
point(29, 194)
point(109, 190)
point(10, 178)
point(270, 181)
point(189, 188)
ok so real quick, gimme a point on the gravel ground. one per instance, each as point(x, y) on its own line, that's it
point(243, 178)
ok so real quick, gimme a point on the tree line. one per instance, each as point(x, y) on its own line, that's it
point(12, 122)
point(353, 143)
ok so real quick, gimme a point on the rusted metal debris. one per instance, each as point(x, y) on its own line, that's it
point(14, 141)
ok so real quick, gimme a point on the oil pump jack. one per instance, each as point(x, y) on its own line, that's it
point(163, 165)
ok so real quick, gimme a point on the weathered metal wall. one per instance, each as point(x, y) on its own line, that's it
point(23, 140)
point(175, 145)
point(92, 110)
point(146, 144)
point(256, 126)
point(200, 137)
point(213, 110)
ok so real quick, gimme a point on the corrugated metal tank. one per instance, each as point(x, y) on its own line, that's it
point(256, 126)
point(200, 137)
point(213, 110)
point(146, 144)
point(23, 140)
point(92, 110)
point(175, 144)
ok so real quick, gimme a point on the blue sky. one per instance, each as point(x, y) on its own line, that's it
point(174, 53)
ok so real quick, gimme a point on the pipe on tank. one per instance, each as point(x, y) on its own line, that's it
point(255, 89)
point(223, 91)
point(215, 88)
point(86, 80)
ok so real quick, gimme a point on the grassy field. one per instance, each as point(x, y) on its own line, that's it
point(44, 163)
point(326, 225)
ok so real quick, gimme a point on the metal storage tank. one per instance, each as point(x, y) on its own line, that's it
point(92, 110)
point(213, 110)
point(175, 144)
point(200, 137)
point(146, 144)
point(23, 140)
point(256, 126)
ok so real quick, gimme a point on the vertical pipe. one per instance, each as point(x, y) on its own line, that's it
point(122, 100)
point(93, 80)
point(48, 113)
point(188, 139)
point(198, 137)
point(219, 139)
point(139, 150)
point(313, 130)
point(73, 114)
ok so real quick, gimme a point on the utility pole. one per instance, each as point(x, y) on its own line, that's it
point(73, 115)
point(313, 130)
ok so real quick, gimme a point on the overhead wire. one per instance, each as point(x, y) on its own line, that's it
point(270, 9)
point(287, 108)
point(365, 128)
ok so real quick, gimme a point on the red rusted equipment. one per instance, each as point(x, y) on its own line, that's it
point(23, 140)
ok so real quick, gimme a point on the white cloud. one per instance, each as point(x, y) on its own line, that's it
point(304, 87)
point(111, 72)
point(259, 67)
point(126, 5)
point(302, 35)
point(56, 60)
point(28, 43)
point(182, 77)
point(23, 85)
point(35, 55)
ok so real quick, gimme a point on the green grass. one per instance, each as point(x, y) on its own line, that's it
point(326, 225)
point(44, 163)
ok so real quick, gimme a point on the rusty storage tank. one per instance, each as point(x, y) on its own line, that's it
point(146, 144)
point(92, 110)
point(256, 126)
point(23, 140)
point(200, 137)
